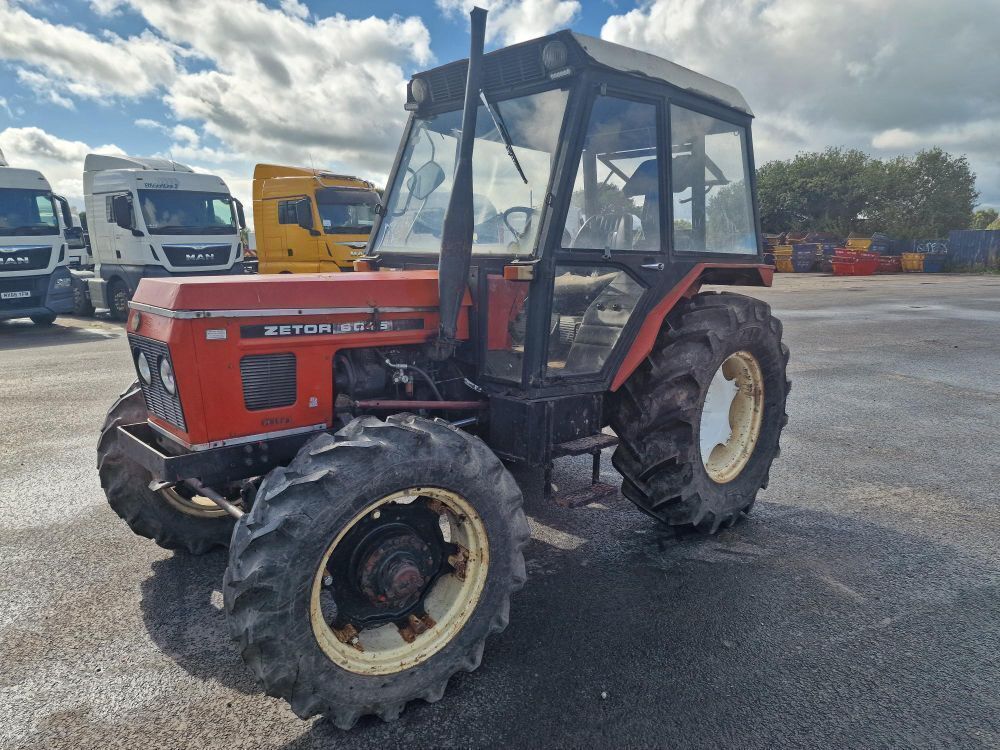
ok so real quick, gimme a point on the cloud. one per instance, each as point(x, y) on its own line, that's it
point(60, 160)
point(893, 76)
point(513, 21)
point(57, 60)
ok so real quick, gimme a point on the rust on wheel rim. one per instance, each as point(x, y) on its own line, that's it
point(390, 592)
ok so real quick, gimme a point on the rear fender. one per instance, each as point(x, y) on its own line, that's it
point(690, 285)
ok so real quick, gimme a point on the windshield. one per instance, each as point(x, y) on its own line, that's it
point(346, 210)
point(187, 212)
point(505, 207)
point(27, 212)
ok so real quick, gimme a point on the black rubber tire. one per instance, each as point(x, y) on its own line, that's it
point(44, 321)
point(82, 306)
point(657, 411)
point(299, 510)
point(118, 299)
point(126, 485)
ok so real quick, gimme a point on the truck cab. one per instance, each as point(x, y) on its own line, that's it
point(310, 220)
point(34, 280)
point(150, 217)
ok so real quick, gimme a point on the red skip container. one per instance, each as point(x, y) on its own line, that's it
point(857, 264)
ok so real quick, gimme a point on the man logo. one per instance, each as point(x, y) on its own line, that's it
point(199, 257)
point(15, 260)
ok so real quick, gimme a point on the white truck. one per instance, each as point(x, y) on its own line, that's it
point(34, 280)
point(155, 217)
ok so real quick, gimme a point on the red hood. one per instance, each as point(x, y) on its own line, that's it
point(293, 291)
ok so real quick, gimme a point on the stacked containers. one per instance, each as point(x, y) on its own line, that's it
point(848, 261)
point(913, 262)
point(803, 257)
point(783, 258)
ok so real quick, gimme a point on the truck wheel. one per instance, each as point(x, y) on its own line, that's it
point(173, 518)
point(118, 299)
point(82, 305)
point(700, 419)
point(373, 567)
point(43, 320)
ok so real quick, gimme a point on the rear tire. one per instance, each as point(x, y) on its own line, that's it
point(154, 515)
point(282, 549)
point(658, 413)
point(43, 321)
point(118, 300)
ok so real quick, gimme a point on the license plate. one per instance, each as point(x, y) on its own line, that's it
point(14, 295)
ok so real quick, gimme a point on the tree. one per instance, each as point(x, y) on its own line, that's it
point(994, 225)
point(984, 217)
point(818, 191)
point(845, 190)
point(922, 196)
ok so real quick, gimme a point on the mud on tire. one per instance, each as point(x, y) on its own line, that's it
point(657, 411)
point(278, 547)
point(126, 485)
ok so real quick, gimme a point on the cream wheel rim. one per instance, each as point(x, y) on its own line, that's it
point(731, 417)
point(191, 503)
point(445, 606)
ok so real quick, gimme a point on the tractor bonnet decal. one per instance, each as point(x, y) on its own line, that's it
point(281, 330)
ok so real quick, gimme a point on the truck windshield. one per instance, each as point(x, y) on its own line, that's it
point(27, 212)
point(346, 210)
point(506, 209)
point(187, 212)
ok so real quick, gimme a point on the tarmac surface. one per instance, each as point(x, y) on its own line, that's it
point(858, 606)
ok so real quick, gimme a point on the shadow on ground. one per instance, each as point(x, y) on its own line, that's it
point(629, 630)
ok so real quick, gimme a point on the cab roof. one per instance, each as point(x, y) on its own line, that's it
point(510, 67)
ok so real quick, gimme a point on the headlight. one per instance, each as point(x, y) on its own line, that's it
point(419, 90)
point(554, 55)
point(142, 365)
point(167, 376)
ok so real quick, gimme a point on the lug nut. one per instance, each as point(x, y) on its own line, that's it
point(327, 580)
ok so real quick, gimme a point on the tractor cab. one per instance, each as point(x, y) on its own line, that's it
point(601, 176)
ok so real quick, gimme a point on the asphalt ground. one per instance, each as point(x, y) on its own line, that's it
point(858, 606)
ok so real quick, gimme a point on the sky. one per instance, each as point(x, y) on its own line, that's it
point(223, 84)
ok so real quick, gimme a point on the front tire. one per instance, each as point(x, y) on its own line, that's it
point(43, 321)
point(118, 300)
point(302, 590)
point(699, 421)
point(172, 518)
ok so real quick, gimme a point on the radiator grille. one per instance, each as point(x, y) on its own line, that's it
point(268, 380)
point(25, 258)
point(158, 401)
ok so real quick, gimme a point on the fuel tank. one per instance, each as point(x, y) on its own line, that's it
point(252, 356)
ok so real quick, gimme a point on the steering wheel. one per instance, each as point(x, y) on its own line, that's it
point(528, 214)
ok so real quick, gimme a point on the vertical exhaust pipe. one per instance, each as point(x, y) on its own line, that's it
point(459, 221)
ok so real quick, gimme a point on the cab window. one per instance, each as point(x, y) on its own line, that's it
point(615, 200)
point(710, 182)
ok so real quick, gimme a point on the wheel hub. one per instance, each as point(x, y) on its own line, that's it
point(395, 570)
point(386, 564)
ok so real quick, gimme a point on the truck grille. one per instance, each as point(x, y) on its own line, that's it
point(269, 380)
point(198, 255)
point(158, 401)
point(25, 258)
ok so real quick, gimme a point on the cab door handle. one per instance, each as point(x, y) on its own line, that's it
point(653, 266)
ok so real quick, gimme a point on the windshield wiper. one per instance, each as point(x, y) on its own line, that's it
point(501, 127)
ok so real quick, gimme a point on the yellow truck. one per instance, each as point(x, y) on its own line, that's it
point(310, 220)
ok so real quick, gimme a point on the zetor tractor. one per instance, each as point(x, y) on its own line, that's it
point(532, 279)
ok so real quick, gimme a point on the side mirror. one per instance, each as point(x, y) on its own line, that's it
point(121, 209)
point(67, 217)
point(425, 180)
point(240, 216)
point(303, 213)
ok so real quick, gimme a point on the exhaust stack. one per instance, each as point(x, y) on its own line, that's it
point(459, 221)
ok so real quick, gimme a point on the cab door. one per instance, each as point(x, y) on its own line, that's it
point(611, 251)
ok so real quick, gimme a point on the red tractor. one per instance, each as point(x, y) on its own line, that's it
point(532, 279)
